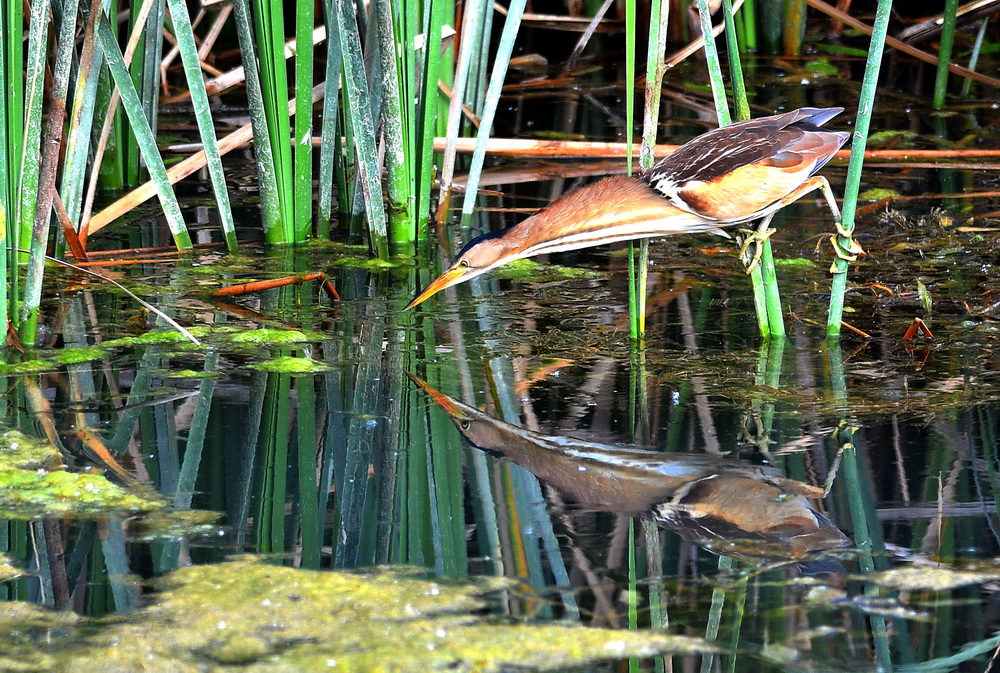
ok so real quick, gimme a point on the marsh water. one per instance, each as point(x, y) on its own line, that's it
point(521, 484)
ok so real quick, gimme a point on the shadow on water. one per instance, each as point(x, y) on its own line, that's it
point(797, 505)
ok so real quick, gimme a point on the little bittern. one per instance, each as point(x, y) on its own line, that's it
point(728, 176)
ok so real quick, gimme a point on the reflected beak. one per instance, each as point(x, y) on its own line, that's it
point(440, 399)
point(452, 276)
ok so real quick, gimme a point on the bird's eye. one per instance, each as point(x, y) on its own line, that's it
point(466, 425)
point(464, 264)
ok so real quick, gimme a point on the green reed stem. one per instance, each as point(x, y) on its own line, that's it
point(794, 29)
point(270, 197)
point(944, 53)
point(427, 109)
point(748, 15)
point(714, 66)
point(854, 166)
point(47, 174)
point(6, 168)
point(740, 102)
point(269, 43)
point(402, 232)
point(636, 272)
point(357, 98)
point(35, 94)
point(974, 57)
point(302, 176)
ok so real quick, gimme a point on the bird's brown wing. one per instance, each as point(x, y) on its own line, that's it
point(736, 170)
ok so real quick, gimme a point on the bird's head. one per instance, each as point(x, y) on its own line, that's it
point(480, 255)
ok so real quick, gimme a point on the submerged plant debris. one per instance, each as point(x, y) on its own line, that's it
point(298, 620)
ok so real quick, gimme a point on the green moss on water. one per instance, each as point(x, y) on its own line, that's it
point(878, 194)
point(821, 66)
point(794, 263)
point(26, 367)
point(173, 524)
point(273, 337)
point(191, 374)
point(531, 271)
point(8, 570)
point(297, 620)
point(291, 365)
point(33, 485)
point(76, 356)
point(368, 263)
point(147, 339)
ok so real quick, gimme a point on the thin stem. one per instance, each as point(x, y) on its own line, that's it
point(853, 186)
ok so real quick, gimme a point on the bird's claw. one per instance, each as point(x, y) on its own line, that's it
point(844, 247)
point(757, 238)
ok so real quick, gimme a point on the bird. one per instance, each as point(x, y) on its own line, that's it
point(728, 176)
point(740, 507)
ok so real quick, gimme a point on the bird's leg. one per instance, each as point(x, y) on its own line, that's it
point(848, 250)
point(756, 237)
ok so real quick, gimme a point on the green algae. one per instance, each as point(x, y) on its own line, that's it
point(795, 263)
point(273, 337)
point(174, 524)
point(147, 339)
point(367, 263)
point(30, 495)
point(26, 367)
point(531, 271)
point(934, 578)
point(8, 570)
point(78, 356)
point(287, 364)
point(190, 374)
point(878, 194)
point(33, 485)
point(297, 620)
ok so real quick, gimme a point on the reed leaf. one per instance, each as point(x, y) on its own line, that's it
point(145, 68)
point(203, 114)
point(472, 29)
point(357, 100)
point(330, 143)
point(144, 135)
point(500, 62)
point(81, 121)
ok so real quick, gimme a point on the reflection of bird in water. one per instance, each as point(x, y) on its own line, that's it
point(753, 510)
point(730, 175)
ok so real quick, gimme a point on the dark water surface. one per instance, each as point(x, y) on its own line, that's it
point(802, 505)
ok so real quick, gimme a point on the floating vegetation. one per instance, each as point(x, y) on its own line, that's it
point(287, 364)
point(33, 485)
point(296, 620)
point(929, 578)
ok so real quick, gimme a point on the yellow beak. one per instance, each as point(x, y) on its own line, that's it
point(452, 276)
point(449, 405)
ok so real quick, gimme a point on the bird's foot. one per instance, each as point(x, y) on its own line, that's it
point(844, 246)
point(757, 238)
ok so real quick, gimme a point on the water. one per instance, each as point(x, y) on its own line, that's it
point(810, 506)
